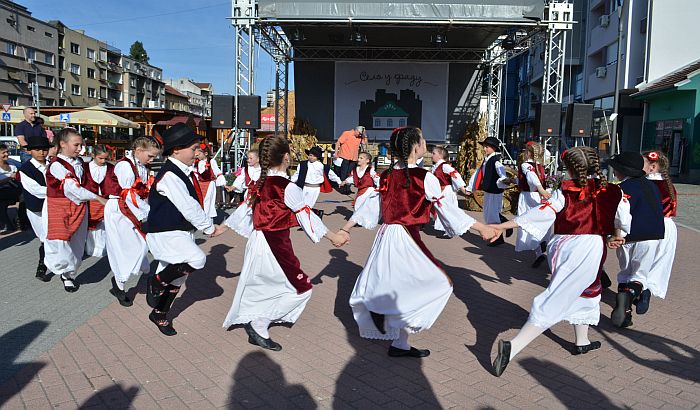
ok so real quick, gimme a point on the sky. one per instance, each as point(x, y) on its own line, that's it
point(192, 39)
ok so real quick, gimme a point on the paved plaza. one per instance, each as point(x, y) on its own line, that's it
point(84, 350)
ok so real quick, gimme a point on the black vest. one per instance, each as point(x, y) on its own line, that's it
point(33, 203)
point(163, 215)
point(490, 176)
point(645, 207)
point(304, 168)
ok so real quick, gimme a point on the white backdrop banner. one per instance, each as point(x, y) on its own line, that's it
point(383, 96)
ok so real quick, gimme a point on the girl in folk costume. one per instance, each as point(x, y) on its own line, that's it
point(209, 176)
point(241, 220)
point(66, 210)
point(125, 211)
point(314, 177)
point(403, 288)
point(175, 213)
point(491, 178)
point(449, 178)
point(272, 287)
point(365, 180)
point(531, 176)
point(99, 177)
point(33, 178)
point(636, 257)
point(576, 252)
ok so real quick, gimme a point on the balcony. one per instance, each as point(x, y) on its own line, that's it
point(601, 82)
point(601, 36)
point(113, 85)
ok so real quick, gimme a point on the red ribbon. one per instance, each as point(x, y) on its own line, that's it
point(546, 204)
point(308, 212)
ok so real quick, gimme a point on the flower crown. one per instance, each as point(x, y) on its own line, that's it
point(652, 156)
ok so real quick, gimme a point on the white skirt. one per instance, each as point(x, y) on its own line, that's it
point(525, 241)
point(241, 220)
point(400, 282)
point(575, 261)
point(450, 196)
point(126, 247)
point(665, 253)
point(95, 244)
point(366, 214)
point(65, 257)
point(210, 200)
point(263, 291)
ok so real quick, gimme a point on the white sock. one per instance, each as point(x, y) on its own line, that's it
point(526, 335)
point(402, 341)
point(260, 326)
point(120, 285)
point(581, 332)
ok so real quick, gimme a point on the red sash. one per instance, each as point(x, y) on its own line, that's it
point(137, 189)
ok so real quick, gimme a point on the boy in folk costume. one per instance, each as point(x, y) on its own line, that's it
point(531, 177)
point(576, 252)
point(125, 212)
point(66, 210)
point(636, 256)
point(272, 287)
point(241, 219)
point(403, 288)
point(491, 178)
point(449, 178)
point(209, 176)
point(175, 213)
point(99, 179)
point(33, 179)
point(313, 177)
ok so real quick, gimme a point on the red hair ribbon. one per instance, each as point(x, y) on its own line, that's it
point(158, 138)
point(202, 146)
point(109, 147)
point(531, 143)
point(652, 156)
point(563, 154)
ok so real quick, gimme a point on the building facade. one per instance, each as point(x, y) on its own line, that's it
point(175, 100)
point(198, 94)
point(143, 84)
point(29, 49)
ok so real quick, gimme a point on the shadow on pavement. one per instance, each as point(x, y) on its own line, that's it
point(257, 375)
point(95, 273)
point(12, 344)
point(112, 397)
point(18, 238)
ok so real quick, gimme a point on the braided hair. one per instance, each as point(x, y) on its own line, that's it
point(402, 142)
point(582, 162)
point(271, 152)
point(537, 154)
point(661, 160)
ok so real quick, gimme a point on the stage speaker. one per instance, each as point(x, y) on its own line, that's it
point(549, 120)
point(222, 111)
point(579, 118)
point(249, 111)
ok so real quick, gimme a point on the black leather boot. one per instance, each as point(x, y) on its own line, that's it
point(159, 315)
point(41, 269)
point(121, 295)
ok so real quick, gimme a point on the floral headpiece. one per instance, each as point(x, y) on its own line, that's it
point(652, 156)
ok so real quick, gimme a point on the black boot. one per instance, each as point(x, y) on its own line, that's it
point(622, 313)
point(121, 295)
point(22, 220)
point(41, 269)
point(605, 281)
point(158, 282)
point(159, 315)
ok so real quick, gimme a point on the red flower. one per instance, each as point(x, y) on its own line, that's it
point(653, 156)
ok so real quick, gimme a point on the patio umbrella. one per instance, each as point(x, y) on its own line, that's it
point(97, 115)
point(17, 116)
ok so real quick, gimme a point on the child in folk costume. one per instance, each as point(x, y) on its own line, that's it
point(272, 287)
point(33, 178)
point(637, 255)
point(403, 288)
point(491, 178)
point(531, 176)
point(175, 213)
point(99, 177)
point(365, 179)
point(125, 212)
point(209, 176)
point(449, 178)
point(66, 209)
point(241, 219)
point(576, 252)
point(314, 177)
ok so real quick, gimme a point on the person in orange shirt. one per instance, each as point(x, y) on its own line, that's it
point(347, 148)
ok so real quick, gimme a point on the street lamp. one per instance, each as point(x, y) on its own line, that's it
point(613, 137)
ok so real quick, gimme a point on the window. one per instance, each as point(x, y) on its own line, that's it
point(30, 28)
point(91, 54)
point(402, 122)
point(103, 55)
point(47, 34)
point(50, 102)
point(389, 122)
point(103, 74)
point(75, 89)
point(377, 122)
point(62, 102)
point(49, 81)
point(31, 54)
point(126, 65)
point(611, 54)
point(74, 48)
point(48, 58)
point(91, 73)
point(132, 82)
point(13, 99)
point(61, 83)
point(92, 93)
point(75, 69)
point(12, 48)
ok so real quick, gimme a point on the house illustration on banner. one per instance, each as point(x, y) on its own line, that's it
point(389, 116)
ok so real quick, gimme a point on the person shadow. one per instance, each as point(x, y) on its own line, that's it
point(95, 273)
point(202, 285)
point(256, 376)
point(564, 381)
point(18, 238)
point(15, 376)
point(112, 397)
point(370, 372)
point(344, 211)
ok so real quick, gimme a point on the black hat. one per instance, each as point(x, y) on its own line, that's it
point(315, 151)
point(629, 163)
point(491, 141)
point(179, 135)
point(38, 142)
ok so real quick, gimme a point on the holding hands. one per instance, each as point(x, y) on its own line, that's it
point(218, 230)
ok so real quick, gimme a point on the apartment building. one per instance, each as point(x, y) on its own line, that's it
point(143, 84)
point(199, 95)
point(175, 100)
point(29, 50)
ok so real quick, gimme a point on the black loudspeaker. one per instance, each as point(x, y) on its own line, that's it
point(249, 111)
point(549, 120)
point(222, 111)
point(579, 118)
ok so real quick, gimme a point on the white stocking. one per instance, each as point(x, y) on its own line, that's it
point(402, 341)
point(526, 335)
point(581, 332)
point(260, 326)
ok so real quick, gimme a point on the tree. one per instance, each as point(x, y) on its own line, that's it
point(138, 53)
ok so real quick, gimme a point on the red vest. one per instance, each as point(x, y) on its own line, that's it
point(108, 186)
point(669, 204)
point(207, 175)
point(522, 179)
point(269, 210)
point(54, 186)
point(365, 182)
point(588, 211)
point(404, 206)
point(445, 179)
